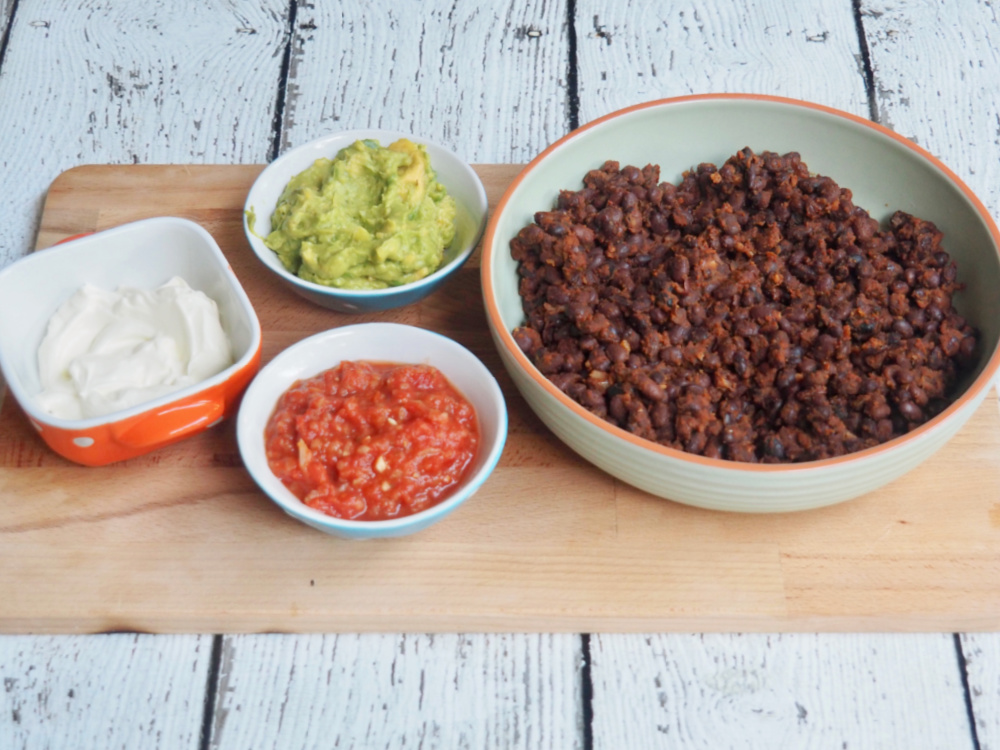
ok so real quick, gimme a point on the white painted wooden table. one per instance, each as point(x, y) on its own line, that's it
point(205, 81)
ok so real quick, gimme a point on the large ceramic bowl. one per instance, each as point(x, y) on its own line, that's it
point(461, 182)
point(380, 342)
point(885, 172)
point(143, 254)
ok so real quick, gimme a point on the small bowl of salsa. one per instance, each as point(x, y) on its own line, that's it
point(372, 430)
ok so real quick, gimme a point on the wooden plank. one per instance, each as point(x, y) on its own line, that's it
point(981, 654)
point(184, 81)
point(596, 555)
point(122, 690)
point(6, 11)
point(453, 68)
point(632, 53)
point(387, 691)
point(936, 82)
point(488, 81)
point(766, 691)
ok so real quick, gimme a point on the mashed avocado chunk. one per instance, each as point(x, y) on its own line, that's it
point(370, 218)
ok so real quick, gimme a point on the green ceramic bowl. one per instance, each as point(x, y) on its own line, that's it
point(886, 173)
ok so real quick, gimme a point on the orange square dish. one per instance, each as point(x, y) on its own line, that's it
point(144, 255)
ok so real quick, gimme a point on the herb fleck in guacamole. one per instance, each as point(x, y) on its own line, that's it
point(371, 218)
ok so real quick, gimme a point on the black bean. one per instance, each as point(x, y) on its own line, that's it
point(911, 411)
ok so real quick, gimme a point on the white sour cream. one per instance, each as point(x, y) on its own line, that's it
point(106, 351)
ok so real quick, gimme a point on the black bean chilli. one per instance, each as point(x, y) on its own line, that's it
point(751, 312)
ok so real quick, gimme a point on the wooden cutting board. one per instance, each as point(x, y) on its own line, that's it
point(182, 541)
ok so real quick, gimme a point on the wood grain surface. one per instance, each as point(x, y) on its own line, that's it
point(634, 52)
point(548, 544)
point(388, 691)
point(853, 693)
point(53, 699)
point(120, 82)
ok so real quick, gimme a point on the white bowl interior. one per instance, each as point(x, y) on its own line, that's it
point(883, 174)
point(381, 342)
point(144, 254)
point(458, 178)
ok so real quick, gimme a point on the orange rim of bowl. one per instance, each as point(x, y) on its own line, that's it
point(493, 311)
point(74, 237)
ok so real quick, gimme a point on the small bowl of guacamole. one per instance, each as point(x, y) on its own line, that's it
point(365, 220)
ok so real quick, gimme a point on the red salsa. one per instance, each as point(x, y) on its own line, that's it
point(372, 440)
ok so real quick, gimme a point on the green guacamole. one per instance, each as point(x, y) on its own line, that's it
point(370, 218)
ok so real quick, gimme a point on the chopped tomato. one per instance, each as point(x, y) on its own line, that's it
point(372, 440)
